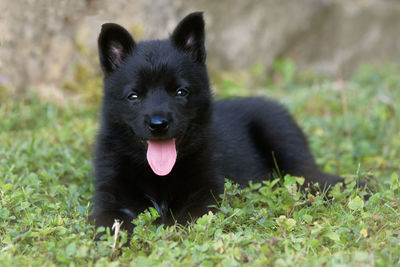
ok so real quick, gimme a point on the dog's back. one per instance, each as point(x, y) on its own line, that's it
point(256, 139)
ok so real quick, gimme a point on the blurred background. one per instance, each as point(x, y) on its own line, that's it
point(44, 43)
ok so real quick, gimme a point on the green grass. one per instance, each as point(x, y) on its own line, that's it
point(353, 128)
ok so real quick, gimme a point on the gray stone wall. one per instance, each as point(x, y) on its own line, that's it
point(41, 41)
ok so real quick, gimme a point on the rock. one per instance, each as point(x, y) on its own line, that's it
point(349, 33)
point(41, 41)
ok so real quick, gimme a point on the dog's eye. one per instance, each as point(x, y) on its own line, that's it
point(182, 92)
point(133, 96)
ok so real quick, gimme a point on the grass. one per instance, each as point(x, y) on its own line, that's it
point(353, 128)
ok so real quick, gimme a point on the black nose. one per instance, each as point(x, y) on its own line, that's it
point(157, 124)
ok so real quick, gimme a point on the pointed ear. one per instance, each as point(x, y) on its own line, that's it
point(189, 36)
point(114, 43)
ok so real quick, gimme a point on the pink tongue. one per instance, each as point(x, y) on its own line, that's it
point(161, 155)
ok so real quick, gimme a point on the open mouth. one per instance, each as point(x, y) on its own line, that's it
point(161, 155)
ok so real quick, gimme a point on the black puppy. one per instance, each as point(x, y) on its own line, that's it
point(165, 143)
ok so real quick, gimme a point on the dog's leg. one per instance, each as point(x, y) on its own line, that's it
point(286, 150)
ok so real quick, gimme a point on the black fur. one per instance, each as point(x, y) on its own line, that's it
point(237, 139)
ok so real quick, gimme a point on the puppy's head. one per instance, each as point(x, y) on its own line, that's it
point(159, 89)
